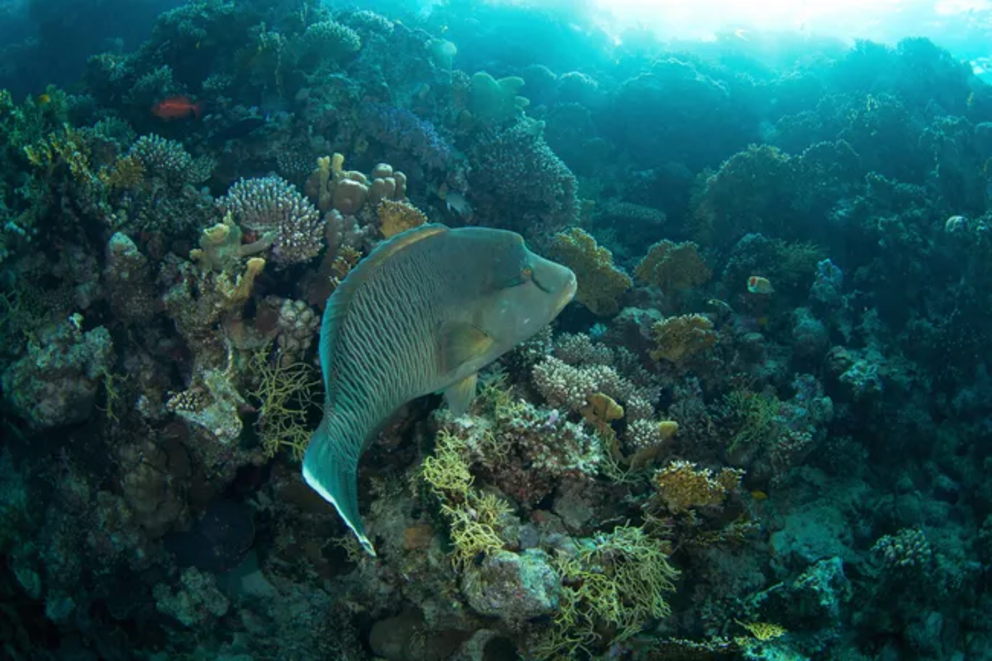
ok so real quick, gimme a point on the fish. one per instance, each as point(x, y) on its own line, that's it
point(423, 313)
point(457, 203)
point(43, 99)
point(177, 107)
point(758, 285)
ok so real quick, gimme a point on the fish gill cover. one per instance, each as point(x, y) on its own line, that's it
point(759, 430)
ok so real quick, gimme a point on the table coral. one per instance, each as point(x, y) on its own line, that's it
point(601, 284)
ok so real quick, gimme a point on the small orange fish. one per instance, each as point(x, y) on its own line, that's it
point(43, 99)
point(758, 285)
point(759, 495)
point(177, 107)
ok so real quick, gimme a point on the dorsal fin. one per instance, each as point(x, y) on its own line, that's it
point(341, 298)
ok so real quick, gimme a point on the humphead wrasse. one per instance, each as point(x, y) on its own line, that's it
point(423, 313)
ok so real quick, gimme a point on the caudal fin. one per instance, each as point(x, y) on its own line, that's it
point(332, 471)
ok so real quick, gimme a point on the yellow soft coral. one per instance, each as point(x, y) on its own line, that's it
point(601, 284)
point(673, 266)
point(679, 338)
point(396, 217)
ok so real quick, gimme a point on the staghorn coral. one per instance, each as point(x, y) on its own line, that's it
point(272, 207)
point(678, 339)
point(601, 284)
point(673, 266)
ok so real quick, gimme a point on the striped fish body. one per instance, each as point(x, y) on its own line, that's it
point(421, 314)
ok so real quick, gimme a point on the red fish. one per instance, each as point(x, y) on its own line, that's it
point(177, 107)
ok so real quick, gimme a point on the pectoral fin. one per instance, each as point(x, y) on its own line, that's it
point(460, 395)
point(462, 342)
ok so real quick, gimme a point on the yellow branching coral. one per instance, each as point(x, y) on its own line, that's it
point(616, 582)
point(447, 471)
point(285, 392)
point(679, 338)
point(764, 631)
point(672, 266)
point(474, 519)
point(681, 487)
point(601, 284)
point(396, 217)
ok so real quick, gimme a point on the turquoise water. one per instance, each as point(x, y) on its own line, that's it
point(757, 428)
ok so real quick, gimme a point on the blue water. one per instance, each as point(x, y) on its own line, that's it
point(760, 429)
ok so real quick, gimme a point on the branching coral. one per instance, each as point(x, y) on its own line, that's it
point(522, 184)
point(285, 394)
point(614, 585)
point(601, 284)
point(272, 207)
point(677, 339)
point(475, 519)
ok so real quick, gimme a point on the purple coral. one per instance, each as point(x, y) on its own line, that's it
point(523, 173)
point(272, 206)
point(401, 129)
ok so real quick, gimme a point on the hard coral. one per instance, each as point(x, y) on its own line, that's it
point(679, 338)
point(271, 206)
point(681, 487)
point(673, 266)
point(396, 217)
point(601, 284)
point(611, 587)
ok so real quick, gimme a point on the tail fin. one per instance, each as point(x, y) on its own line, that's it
point(332, 471)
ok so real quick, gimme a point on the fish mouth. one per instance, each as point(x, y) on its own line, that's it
point(569, 292)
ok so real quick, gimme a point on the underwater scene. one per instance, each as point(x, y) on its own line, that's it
point(495, 331)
